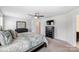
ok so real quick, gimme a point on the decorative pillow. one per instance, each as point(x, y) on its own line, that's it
point(13, 33)
point(2, 38)
point(6, 38)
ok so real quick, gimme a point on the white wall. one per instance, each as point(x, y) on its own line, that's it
point(1, 19)
point(1, 22)
point(10, 22)
point(65, 26)
point(72, 17)
point(60, 26)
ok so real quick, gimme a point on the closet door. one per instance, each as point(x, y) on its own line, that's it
point(50, 31)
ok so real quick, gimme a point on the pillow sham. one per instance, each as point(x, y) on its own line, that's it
point(2, 38)
point(6, 37)
point(13, 33)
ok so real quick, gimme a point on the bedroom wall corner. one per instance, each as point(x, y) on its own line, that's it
point(65, 26)
point(1, 19)
point(10, 22)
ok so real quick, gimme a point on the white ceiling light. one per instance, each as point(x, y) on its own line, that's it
point(36, 17)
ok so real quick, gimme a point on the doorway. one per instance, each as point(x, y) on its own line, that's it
point(77, 31)
point(37, 26)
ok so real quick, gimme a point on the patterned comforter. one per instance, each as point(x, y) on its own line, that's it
point(34, 38)
point(23, 42)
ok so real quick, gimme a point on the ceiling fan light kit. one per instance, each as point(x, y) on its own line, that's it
point(36, 17)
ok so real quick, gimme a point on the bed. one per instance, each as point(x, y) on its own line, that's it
point(25, 42)
point(37, 40)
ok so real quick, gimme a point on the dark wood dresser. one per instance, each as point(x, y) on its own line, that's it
point(49, 31)
point(77, 36)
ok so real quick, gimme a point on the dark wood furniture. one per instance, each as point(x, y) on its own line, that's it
point(21, 30)
point(77, 36)
point(36, 48)
point(50, 31)
point(50, 22)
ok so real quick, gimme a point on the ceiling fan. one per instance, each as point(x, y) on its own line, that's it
point(36, 15)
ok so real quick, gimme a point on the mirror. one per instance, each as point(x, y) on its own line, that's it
point(20, 24)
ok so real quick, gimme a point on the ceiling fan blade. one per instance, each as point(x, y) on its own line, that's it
point(31, 15)
point(41, 16)
point(36, 15)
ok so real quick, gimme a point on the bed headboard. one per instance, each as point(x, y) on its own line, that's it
point(21, 30)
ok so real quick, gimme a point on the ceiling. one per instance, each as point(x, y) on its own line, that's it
point(47, 11)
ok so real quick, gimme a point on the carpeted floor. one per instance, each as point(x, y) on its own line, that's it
point(55, 45)
point(77, 44)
